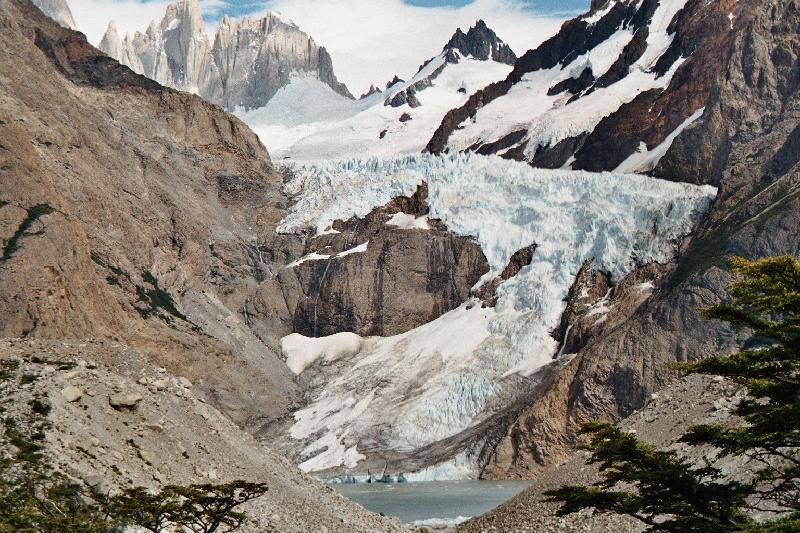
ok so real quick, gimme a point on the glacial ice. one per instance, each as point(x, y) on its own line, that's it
point(433, 382)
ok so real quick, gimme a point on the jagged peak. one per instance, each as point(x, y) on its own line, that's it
point(187, 13)
point(481, 42)
point(264, 24)
point(394, 81)
point(111, 43)
point(372, 90)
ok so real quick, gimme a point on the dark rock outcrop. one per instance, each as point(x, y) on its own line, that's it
point(481, 43)
point(518, 261)
point(373, 278)
point(372, 90)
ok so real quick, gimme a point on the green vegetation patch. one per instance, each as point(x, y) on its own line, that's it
point(157, 299)
point(33, 214)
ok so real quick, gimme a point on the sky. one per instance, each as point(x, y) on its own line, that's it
point(369, 40)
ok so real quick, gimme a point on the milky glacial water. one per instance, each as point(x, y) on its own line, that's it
point(432, 502)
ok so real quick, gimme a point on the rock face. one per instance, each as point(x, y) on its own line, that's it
point(249, 60)
point(57, 10)
point(481, 43)
point(374, 278)
point(132, 212)
point(256, 57)
point(175, 53)
point(743, 69)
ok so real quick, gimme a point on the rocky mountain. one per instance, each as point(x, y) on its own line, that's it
point(135, 220)
point(95, 164)
point(651, 60)
point(666, 87)
point(713, 99)
point(57, 10)
point(258, 57)
point(249, 61)
point(441, 316)
point(307, 120)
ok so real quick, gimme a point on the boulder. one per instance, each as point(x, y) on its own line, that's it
point(71, 393)
point(124, 401)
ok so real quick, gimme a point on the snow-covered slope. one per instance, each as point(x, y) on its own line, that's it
point(403, 393)
point(307, 120)
point(623, 51)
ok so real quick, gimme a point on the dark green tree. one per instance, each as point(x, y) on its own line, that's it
point(153, 512)
point(669, 493)
point(198, 508)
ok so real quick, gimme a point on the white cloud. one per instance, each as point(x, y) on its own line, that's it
point(370, 40)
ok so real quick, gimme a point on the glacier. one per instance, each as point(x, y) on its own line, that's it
point(406, 392)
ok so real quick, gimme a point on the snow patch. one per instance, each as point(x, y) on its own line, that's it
point(313, 256)
point(360, 249)
point(406, 221)
point(647, 287)
point(595, 18)
point(301, 352)
point(307, 120)
point(644, 160)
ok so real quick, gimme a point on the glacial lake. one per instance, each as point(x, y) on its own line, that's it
point(432, 502)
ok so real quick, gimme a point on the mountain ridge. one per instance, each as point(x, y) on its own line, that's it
point(248, 61)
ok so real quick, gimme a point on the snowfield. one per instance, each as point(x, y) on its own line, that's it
point(430, 383)
point(308, 120)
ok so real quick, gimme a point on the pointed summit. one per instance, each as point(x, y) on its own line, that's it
point(111, 43)
point(186, 15)
point(481, 43)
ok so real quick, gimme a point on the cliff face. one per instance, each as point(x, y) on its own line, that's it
point(743, 69)
point(146, 218)
point(374, 278)
point(118, 220)
point(57, 10)
point(256, 57)
point(247, 64)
